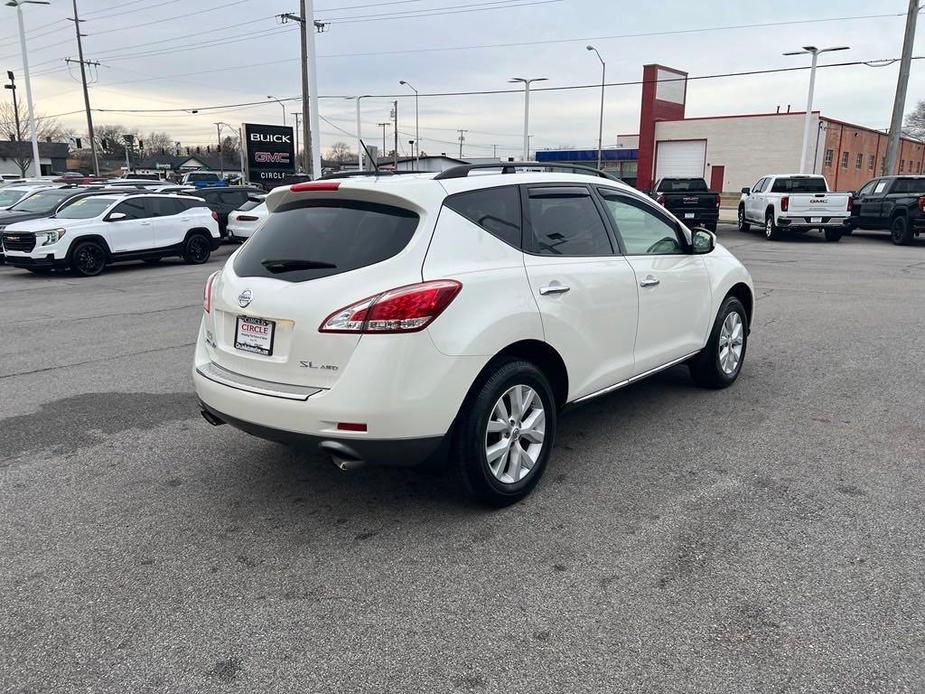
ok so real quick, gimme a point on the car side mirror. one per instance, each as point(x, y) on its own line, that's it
point(702, 241)
point(115, 216)
point(746, 191)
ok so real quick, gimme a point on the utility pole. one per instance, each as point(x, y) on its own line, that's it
point(12, 87)
point(899, 102)
point(308, 12)
point(383, 126)
point(83, 78)
point(298, 120)
point(494, 151)
point(462, 138)
point(221, 161)
point(304, 19)
point(395, 131)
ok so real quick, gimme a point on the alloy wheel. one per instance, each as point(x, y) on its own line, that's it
point(515, 435)
point(89, 259)
point(731, 340)
point(198, 250)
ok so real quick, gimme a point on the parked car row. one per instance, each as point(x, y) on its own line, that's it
point(800, 203)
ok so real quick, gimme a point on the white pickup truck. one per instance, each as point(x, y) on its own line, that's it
point(794, 202)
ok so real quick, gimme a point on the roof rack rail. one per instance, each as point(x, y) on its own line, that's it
point(351, 174)
point(509, 167)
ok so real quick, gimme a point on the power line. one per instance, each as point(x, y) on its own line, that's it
point(423, 11)
point(483, 92)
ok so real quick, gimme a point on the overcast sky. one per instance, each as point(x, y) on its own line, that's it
point(172, 54)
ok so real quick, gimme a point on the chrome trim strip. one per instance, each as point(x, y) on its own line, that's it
point(639, 377)
point(218, 374)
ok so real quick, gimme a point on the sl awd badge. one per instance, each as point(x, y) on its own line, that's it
point(245, 298)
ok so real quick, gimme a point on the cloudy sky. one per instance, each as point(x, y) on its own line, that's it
point(187, 54)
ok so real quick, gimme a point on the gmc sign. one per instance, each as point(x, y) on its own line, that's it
point(270, 155)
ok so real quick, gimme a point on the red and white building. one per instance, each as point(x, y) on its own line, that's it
point(732, 152)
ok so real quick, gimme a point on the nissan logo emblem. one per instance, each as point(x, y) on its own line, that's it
point(245, 297)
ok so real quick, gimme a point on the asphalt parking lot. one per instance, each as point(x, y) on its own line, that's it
point(764, 538)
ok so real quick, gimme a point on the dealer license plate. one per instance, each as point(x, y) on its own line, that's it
point(815, 220)
point(688, 215)
point(254, 335)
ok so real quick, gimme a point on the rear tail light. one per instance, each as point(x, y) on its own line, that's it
point(785, 203)
point(851, 203)
point(660, 200)
point(207, 294)
point(922, 203)
point(246, 218)
point(718, 199)
point(402, 310)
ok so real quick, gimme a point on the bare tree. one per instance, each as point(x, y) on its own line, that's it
point(341, 153)
point(47, 130)
point(157, 141)
point(915, 121)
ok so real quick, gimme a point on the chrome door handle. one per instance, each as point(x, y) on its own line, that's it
point(554, 288)
point(649, 281)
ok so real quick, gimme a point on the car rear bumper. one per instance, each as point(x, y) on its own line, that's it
point(807, 223)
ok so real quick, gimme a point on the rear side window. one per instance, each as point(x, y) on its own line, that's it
point(497, 210)
point(133, 209)
point(309, 240)
point(799, 185)
point(163, 207)
point(565, 221)
point(903, 185)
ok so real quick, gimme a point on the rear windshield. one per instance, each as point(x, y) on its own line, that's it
point(250, 204)
point(799, 185)
point(202, 177)
point(683, 185)
point(42, 201)
point(308, 240)
point(908, 185)
point(85, 208)
point(8, 197)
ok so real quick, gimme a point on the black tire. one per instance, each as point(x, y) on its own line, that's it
point(471, 437)
point(705, 368)
point(197, 249)
point(743, 225)
point(900, 232)
point(771, 230)
point(88, 259)
point(833, 235)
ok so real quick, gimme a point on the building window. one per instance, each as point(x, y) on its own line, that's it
point(829, 156)
point(883, 166)
point(859, 161)
point(918, 167)
point(902, 165)
point(844, 160)
point(871, 161)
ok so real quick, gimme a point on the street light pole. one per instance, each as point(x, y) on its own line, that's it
point(527, 83)
point(600, 127)
point(807, 119)
point(12, 87)
point(359, 132)
point(417, 124)
point(281, 105)
point(36, 163)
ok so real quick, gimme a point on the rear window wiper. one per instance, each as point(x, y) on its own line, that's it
point(277, 266)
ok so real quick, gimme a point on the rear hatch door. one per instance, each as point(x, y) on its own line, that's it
point(313, 256)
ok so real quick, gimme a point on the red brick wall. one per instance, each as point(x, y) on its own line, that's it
point(841, 138)
point(652, 110)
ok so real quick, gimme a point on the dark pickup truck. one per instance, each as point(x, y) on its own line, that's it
point(891, 203)
point(688, 199)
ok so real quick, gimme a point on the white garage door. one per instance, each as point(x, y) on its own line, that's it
point(680, 159)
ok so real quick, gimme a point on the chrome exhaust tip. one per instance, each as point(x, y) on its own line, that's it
point(343, 457)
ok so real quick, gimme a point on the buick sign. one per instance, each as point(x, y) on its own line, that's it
point(270, 155)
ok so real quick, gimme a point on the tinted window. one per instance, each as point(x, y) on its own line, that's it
point(336, 236)
point(203, 177)
point(133, 209)
point(759, 186)
point(901, 185)
point(233, 198)
point(85, 208)
point(799, 185)
point(250, 204)
point(565, 221)
point(643, 232)
point(194, 202)
point(683, 185)
point(43, 201)
point(163, 207)
point(868, 187)
point(497, 210)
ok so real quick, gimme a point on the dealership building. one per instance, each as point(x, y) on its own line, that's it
point(733, 151)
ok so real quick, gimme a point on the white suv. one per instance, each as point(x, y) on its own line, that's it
point(394, 319)
point(94, 231)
